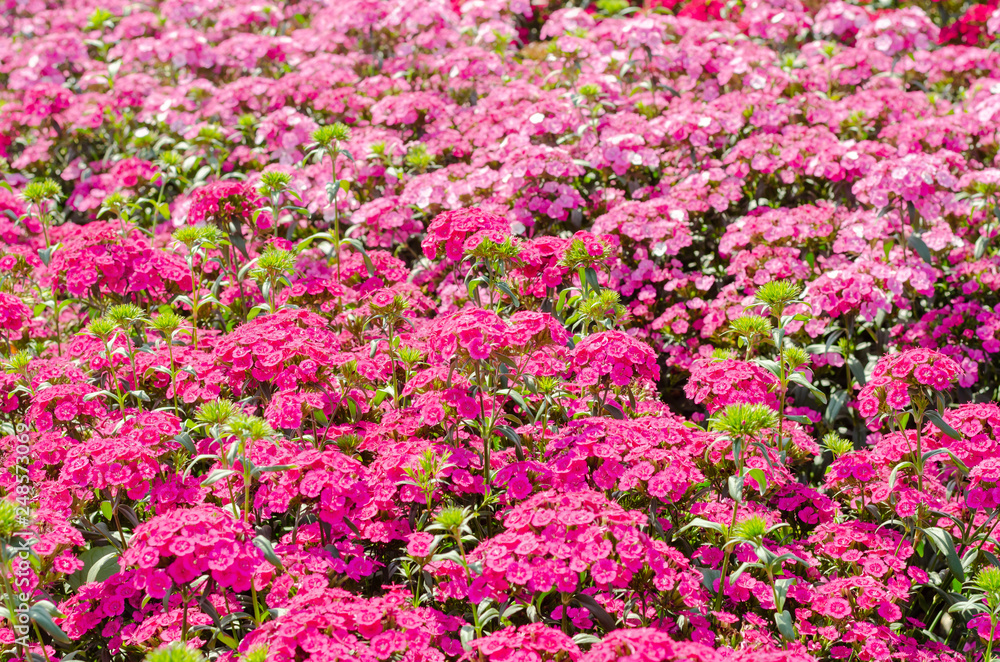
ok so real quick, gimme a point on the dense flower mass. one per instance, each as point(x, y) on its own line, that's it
point(499, 331)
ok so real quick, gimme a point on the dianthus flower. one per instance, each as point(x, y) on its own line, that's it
point(979, 425)
point(227, 201)
point(339, 625)
point(552, 538)
point(984, 485)
point(451, 229)
point(896, 376)
point(328, 480)
point(648, 644)
point(473, 332)
point(717, 384)
point(13, 312)
point(535, 642)
point(614, 354)
point(175, 548)
point(287, 348)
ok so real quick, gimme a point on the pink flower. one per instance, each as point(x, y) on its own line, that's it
point(837, 608)
point(421, 544)
point(451, 229)
point(889, 611)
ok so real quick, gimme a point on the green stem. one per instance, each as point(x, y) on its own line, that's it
point(135, 374)
point(336, 220)
point(256, 608)
point(483, 431)
point(114, 378)
point(41, 643)
point(8, 590)
point(45, 226)
point(989, 644)
point(56, 311)
point(246, 483)
point(173, 376)
point(918, 416)
point(392, 369)
point(121, 533)
point(194, 303)
point(725, 559)
point(468, 574)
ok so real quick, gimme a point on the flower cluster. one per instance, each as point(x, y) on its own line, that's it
point(717, 383)
point(499, 330)
point(226, 202)
point(172, 550)
point(451, 229)
point(897, 376)
point(616, 356)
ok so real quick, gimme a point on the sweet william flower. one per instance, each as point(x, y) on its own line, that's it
point(451, 229)
point(616, 354)
point(420, 544)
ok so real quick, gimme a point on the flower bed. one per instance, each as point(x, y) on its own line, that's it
point(499, 331)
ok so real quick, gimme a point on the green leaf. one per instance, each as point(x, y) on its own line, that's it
point(466, 634)
point(597, 611)
point(857, 370)
point(516, 397)
point(614, 411)
point(514, 437)
point(270, 468)
point(800, 379)
point(352, 526)
point(942, 540)
point(945, 451)
point(699, 523)
point(202, 173)
point(107, 510)
point(760, 478)
point(785, 626)
point(981, 244)
point(184, 439)
point(781, 587)
point(239, 242)
point(216, 476)
point(708, 577)
point(736, 488)
point(227, 640)
point(264, 545)
point(917, 244)
point(41, 617)
point(770, 366)
point(895, 470)
point(364, 254)
point(99, 563)
point(506, 290)
point(743, 568)
point(835, 404)
point(788, 556)
point(939, 423)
